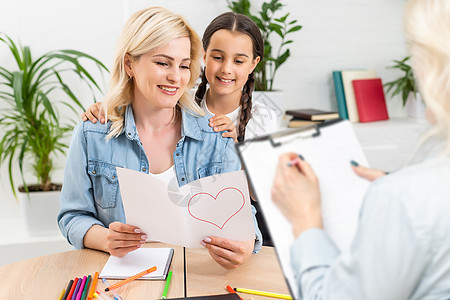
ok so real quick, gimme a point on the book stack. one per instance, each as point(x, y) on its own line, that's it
point(360, 95)
point(309, 116)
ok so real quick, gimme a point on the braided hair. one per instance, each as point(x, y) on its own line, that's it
point(243, 24)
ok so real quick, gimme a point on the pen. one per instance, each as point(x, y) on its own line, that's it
point(116, 296)
point(129, 279)
point(261, 293)
point(86, 288)
point(80, 289)
point(93, 286)
point(62, 294)
point(77, 287)
point(230, 289)
point(166, 287)
point(72, 290)
point(101, 295)
point(295, 160)
point(69, 286)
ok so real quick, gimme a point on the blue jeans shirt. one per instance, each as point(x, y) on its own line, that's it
point(90, 193)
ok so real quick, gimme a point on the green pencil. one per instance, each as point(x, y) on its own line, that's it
point(166, 288)
point(86, 288)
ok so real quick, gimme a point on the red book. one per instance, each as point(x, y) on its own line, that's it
point(369, 96)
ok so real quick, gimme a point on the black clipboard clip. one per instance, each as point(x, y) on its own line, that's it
point(316, 132)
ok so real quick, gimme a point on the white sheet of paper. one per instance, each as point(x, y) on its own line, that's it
point(341, 189)
point(217, 205)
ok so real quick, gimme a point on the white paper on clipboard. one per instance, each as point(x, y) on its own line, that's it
point(329, 148)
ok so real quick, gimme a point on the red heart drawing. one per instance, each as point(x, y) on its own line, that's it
point(215, 198)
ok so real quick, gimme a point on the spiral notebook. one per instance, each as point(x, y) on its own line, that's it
point(138, 261)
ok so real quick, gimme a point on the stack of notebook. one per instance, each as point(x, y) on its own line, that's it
point(309, 116)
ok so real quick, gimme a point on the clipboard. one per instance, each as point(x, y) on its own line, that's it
point(328, 147)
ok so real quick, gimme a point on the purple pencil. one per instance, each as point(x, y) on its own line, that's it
point(80, 290)
point(77, 288)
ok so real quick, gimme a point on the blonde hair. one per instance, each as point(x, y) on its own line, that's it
point(145, 31)
point(427, 25)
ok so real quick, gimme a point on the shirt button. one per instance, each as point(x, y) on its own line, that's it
point(114, 177)
point(129, 133)
point(144, 169)
point(93, 172)
point(182, 179)
point(178, 153)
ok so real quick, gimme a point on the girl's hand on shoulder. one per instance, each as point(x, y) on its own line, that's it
point(221, 122)
point(93, 113)
point(123, 238)
point(229, 254)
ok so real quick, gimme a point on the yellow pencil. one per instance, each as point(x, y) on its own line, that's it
point(61, 295)
point(267, 294)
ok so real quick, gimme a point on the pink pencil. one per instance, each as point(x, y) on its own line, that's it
point(80, 291)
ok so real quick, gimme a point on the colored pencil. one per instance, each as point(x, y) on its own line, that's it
point(93, 286)
point(129, 279)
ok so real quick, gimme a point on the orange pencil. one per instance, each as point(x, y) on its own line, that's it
point(129, 279)
point(94, 284)
point(230, 289)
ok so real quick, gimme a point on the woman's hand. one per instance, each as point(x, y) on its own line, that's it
point(93, 113)
point(221, 122)
point(229, 254)
point(123, 238)
point(296, 192)
point(367, 173)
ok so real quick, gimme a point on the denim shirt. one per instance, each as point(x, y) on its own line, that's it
point(90, 193)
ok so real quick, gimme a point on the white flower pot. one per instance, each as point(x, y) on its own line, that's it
point(39, 212)
point(415, 107)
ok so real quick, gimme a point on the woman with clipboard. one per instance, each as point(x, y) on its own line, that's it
point(402, 246)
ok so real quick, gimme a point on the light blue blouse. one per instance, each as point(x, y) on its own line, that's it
point(90, 193)
point(401, 249)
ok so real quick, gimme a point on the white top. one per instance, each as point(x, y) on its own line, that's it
point(264, 119)
point(169, 177)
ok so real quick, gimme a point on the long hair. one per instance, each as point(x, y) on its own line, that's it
point(243, 24)
point(145, 31)
point(427, 26)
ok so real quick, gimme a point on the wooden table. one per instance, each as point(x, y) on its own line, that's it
point(46, 276)
point(261, 272)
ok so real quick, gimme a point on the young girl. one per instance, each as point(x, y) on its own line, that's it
point(154, 127)
point(233, 46)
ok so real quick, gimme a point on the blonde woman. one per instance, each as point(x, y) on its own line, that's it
point(402, 247)
point(154, 127)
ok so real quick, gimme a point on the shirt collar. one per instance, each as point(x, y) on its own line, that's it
point(130, 125)
point(192, 126)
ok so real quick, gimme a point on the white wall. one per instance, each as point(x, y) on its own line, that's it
point(344, 34)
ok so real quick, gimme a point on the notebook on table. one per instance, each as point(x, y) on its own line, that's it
point(137, 261)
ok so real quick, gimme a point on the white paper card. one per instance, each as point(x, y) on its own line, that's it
point(217, 205)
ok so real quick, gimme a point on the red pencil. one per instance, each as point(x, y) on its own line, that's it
point(72, 288)
point(231, 290)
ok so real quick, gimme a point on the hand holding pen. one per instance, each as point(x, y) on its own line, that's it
point(296, 193)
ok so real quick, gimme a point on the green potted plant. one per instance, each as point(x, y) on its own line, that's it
point(406, 87)
point(31, 133)
point(269, 24)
